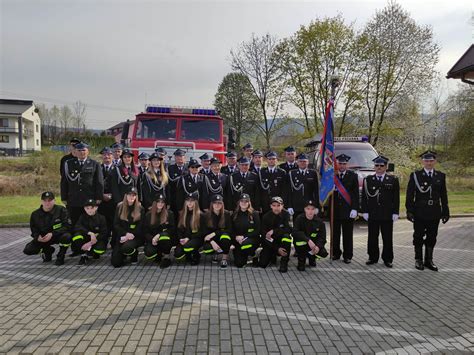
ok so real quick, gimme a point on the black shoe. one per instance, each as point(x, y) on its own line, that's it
point(283, 264)
point(301, 264)
point(347, 261)
point(430, 265)
point(255, 262)
point(336, 258)
point(370, 262)
point(47, 254)
point(224, 264)
point(429, 259)
point(312, 260)
point(158, 258)
point(166, 262)
point(215, 259)
point(387, 264)
point(134, 257)
point(195, 258)
point(419, 264)
point(95, 256)
point(73, 254)
point(83, 260)
point(59, 260)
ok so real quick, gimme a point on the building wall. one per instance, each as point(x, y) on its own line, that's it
point(31, 124)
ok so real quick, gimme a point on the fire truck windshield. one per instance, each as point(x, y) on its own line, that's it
point(158, 128)
point(200, 130)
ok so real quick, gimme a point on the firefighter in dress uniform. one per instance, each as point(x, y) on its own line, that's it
point(50, 224)
point(70, 155)
point(290, 159)
point(216, 183)
point(90, 235)
point(153, 182)
point(303, 186)
point(380, 207)
point(82, 180)
point(309, 236)
point(205, 163)
point(426, 204)
point(276, 237)
point(175, 171)
point(117, 149)
point(231, 166)
point(257, 160)
point(273, 181)
point(123, 176)
point(107, 206)
point(144, 160)
point(346, 205)
point(191, 183)
point(244, 181)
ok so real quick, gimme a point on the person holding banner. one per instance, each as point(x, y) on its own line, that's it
point(346, 205)
point(380, 207)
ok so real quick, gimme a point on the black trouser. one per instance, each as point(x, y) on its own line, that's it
point(107, 209)
point(347, 227)
point(244, 250)
point(190, 248)
point(122, 250)
point(223, 240)
point(78, 240)
point(164, 245)
point(422, 228)
point(74, 213)
point(270, 249)
point(301, 245)
point(386, 229)
point(35, 247)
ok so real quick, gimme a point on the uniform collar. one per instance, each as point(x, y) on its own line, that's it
point(377, 176)
point(428, 171)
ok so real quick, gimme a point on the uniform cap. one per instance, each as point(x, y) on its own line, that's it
point(205, 156)
point(144, 156)
point(247, 146)
point(290, 149)
point(310, 203)
point(215, 161)
point(271, 154)
point(244, 160)
point(192, 196)
point(257, 153)
point(193, 163)
point(217, 198)
point(160, 150)
point(156, 156)
point(343, 158)
point(132, 190)
point(127, 151)
point(116, 146)
point(160, 197)
point(81, 146)
point(231, 155)
point(277, 199)
point(179, 153)
point(48, 195)
point(74, 141)
point(90, 202)
point(245, 197)
point(380, 160)
point(106, 150)
point(302, 156)
point(428, 155)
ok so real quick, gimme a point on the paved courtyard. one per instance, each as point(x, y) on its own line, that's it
point(334, 308)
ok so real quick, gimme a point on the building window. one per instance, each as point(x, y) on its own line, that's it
point(37, 128)
point(3, 122)
point(37, 142)
point(4, 139)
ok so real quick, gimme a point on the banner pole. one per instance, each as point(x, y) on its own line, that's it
point(334, 85)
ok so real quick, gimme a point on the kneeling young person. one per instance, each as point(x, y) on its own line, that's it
point(217, 230)
point(128, 229)
point(245, 231)
point(309, 233)
point(190, 230)
point(160, 232)
point(276, 235)
point(50, 224)
point(90, 233)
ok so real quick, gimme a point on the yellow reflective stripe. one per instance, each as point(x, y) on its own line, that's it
point(194, 231)
point(313, 235)
point(289, 240)
point(77, 237)
point(64, 245)
point(250, 230)
point(151, 257)
point(246, 246)
point(131, 252)
point(225, 236)
point(133, 226)
point(57, 226)
point(164, 238)
point(188, 249)
point(299, 244)
point(98, 251)
point(208, 251)
point(179, 257)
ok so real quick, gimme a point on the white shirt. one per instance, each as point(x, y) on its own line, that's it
point(429, 171)
point(380, 176)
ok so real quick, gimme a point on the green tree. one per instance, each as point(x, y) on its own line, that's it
point(398, 59)
point(462, 146)
point(237, 103)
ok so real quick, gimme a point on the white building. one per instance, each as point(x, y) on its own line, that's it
point(20, 127)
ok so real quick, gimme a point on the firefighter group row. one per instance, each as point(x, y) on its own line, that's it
point(257, 211)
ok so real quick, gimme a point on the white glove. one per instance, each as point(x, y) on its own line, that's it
point(365, 216)
point(394, 217)
point(353, 214)
point(291, 211)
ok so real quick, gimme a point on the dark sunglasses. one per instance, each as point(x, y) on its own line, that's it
point(379, 165)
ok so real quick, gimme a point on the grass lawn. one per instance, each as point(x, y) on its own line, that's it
point(17, 209)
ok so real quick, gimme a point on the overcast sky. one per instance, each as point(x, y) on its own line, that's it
point(113, 55)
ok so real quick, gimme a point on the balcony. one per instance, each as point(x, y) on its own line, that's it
point(16, 130)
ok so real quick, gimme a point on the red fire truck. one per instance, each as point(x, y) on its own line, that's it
point(195, 130)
